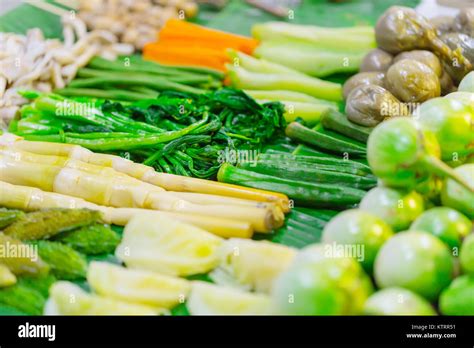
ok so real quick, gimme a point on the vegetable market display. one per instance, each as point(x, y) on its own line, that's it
point(219, 174)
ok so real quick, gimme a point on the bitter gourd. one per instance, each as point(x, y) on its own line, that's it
point(91, 240)
point(41, 284)
point(23, 298)
point(65, 262)
point(49, 222)
point(8, 216)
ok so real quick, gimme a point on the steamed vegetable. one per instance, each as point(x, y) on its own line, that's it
point(376, 60)
point(417, 261)
point(363, 78)
point(397, 207)
point(251, 265)
point(42, 284)
point(123, 191)
point(369, 104)
point(49, 222)
point(445, 223)
point(8, 216)
point(65, 262)
point(324, 140)
point(177, 133)
point(457, 298)
point(316, 51)
point(209, 299)
point(32, 199)
point(21, 258)
point(451, 122)
point(466, 254)
point(319, 282)
point(134, 24)
point(313, 169)
point(403, 29)
point(459, 197)
point(402, 155)
point(423, 56)
point(59, 303)
point(245, 79)
point(305, 193)
point(146, 173)
point(137, 286)
point(467, 83)
point(178, 54)
point(24, 298)
point(412, 81)
point(183, 43)
point(334, 120)
point(7, 278)
point(309, 59)
point(353, 38)
point(397, 301)
point(178, 29)
point(168, 246)
point(91, 240)
point(288, 96)
point(357, 227)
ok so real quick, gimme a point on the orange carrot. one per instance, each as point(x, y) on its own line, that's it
point(175, 28)
point(179, 55)
point(176, 40)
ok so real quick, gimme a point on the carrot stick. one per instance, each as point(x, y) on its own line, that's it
point(177, 40)
point(184, 56)
point(179, 28)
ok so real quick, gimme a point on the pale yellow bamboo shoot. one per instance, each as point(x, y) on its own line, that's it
point(61, 161)
point(169, 182)
point(120, 192)
point(33, 199)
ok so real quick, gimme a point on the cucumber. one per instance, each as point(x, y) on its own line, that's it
point(65, 262)
point(304, 193)
point(8, 216)
point(25, 299)
point(338, 122)
point(91, 240)
point(49, 222)
point(322, 140)
point(317, 173)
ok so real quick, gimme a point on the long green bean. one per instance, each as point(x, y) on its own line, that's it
point(191, 79)
point(159, 83)
point(110, 94)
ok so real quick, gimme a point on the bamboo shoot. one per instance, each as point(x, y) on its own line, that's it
point(32, 199)
point(121, 192)
point(169, 182)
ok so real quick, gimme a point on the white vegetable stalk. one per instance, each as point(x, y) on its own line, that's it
point(120, 191)
point(169, 182)
point(33, 199)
